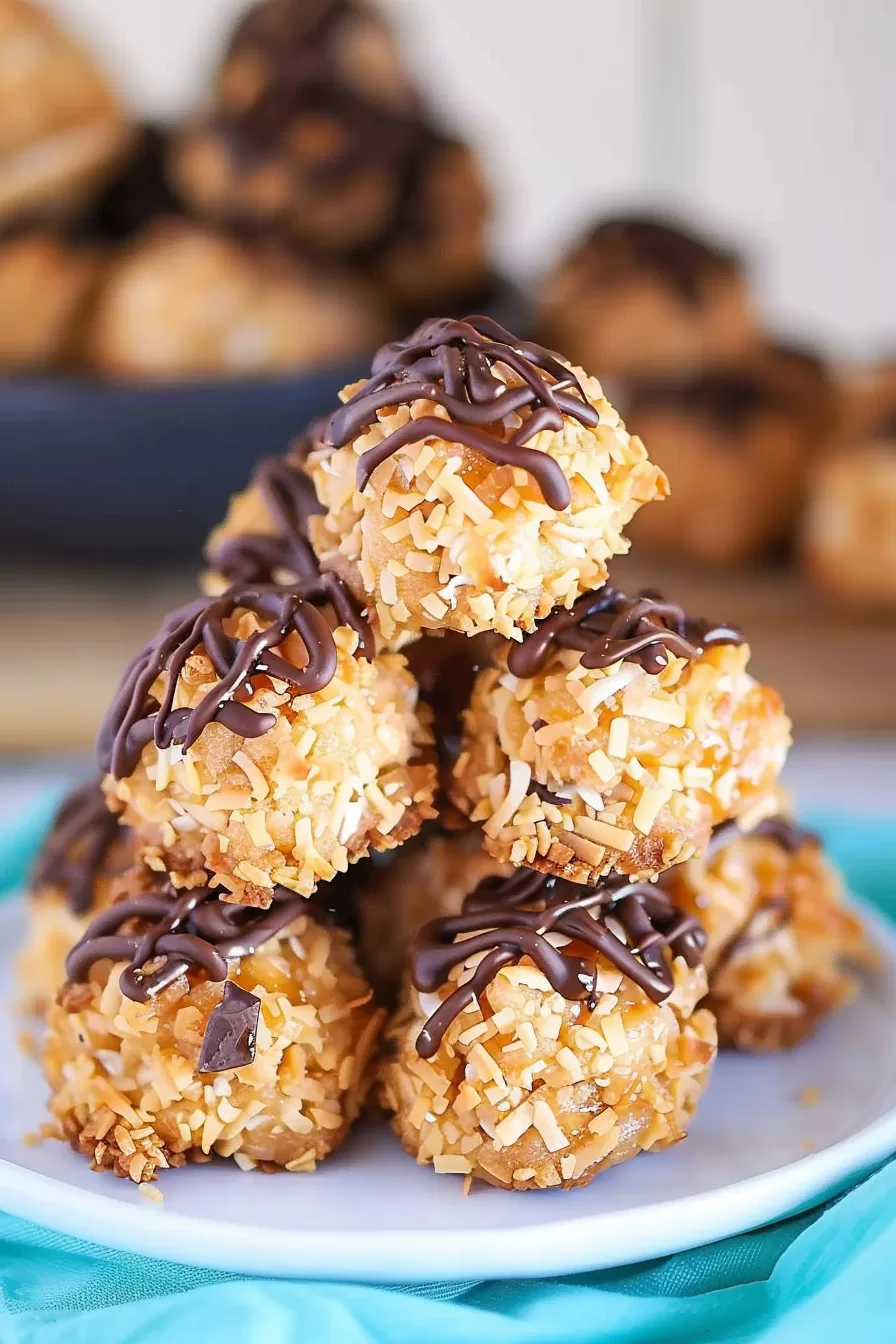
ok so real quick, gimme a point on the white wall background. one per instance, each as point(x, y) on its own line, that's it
point(771, 119)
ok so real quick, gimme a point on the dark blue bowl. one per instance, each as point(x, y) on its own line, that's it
point(130, 473)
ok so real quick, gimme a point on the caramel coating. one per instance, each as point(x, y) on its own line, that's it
point(125, 1088)
point(423, 881)
point(644, 297)
point(442, 538)
point(537, 1091)
point(737, 444)
point(61, 126)
point(645, 763)
point(780, 939)
point(184, 302)
point(335, 776)
point(44, 285)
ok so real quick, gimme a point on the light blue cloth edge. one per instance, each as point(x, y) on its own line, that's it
point(819, 1275)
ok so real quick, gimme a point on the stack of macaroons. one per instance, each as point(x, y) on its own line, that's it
point(313, 207)
point(463, 504)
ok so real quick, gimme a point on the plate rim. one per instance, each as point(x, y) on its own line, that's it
point(428, 1255)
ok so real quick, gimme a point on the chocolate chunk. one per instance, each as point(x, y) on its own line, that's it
point(229, 1040)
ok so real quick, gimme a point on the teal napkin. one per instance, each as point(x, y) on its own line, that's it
point(826, 1275)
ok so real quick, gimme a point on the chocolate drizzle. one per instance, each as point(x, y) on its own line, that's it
point(164, 934)
point(770, 917)
point(608, 627)
point(77, 846)
point(452, 363)
point(289, 497)
point(780, 829)
point(507, 919)
point(136, 717)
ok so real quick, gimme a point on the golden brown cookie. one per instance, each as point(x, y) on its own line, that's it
point(640, 296)
point(61, 126)
point(183, 302)
point(45, 286)
point(260, 735)
point(188, 1028)
point(849, 526)
point(551, 1032)
point(473, 482)
point(426, 879)
point(614, 737)
point(736, 443)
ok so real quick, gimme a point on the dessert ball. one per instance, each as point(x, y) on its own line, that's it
point(182, 302)
point(45, 283)
point(551, 1032)
point(76, 874)
point(473, 482)
point(736, 443)
point(424, 880)
point(188, 1028)
point(640, 296)
point(849, 527)
point(258, 734)
point(780, 941)
point(61, 126)
point(614, 737)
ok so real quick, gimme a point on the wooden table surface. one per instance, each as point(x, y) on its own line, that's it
point(66, 638)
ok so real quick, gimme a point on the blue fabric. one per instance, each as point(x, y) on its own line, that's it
point(820, 1276)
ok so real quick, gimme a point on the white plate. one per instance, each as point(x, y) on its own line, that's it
point(755, 1153)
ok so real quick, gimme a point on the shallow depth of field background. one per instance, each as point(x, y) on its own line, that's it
point(769, 123)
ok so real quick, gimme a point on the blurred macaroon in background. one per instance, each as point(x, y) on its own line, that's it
point(211, 213)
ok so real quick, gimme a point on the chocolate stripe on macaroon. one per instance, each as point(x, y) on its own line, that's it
point(453, 364)
point(136, 717)
point(177, 931)
point(608, 627)
point(507, 919)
